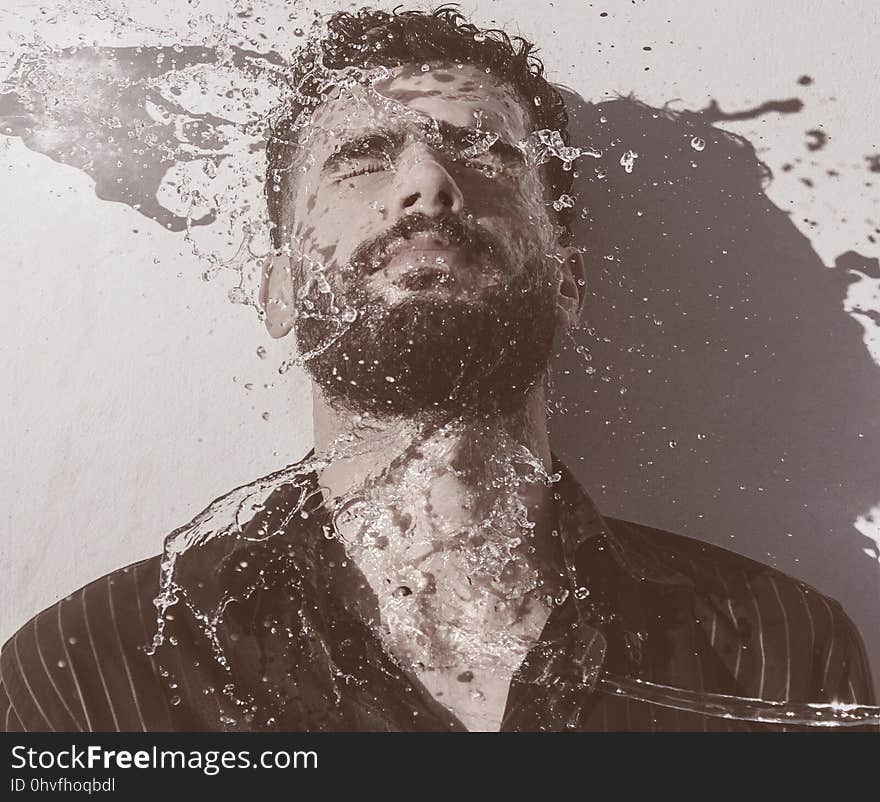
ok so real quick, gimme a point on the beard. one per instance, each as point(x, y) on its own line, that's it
point(431, 356)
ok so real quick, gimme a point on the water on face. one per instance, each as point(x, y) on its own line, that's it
point(176, 131)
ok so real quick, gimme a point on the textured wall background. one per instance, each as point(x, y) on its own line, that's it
point(135, 394)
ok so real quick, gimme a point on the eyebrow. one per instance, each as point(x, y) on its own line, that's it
point(381, 142)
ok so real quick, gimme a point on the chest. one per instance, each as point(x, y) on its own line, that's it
point(458, 614)
point(463, 652)
point(478, 699)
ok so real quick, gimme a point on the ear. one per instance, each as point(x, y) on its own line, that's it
point(572, 287)
point(277, 297)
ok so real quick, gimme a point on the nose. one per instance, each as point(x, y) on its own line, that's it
point(425, 186)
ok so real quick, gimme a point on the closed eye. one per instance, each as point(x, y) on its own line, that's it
point(367, 149)
point(363, 169)
point(490, 164)
point(498, 157)
point(508, 154)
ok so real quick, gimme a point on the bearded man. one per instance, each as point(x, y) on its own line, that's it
point(431, 565)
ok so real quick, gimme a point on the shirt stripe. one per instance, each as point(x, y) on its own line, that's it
point(27, 685)
point(80, 695)
point(49, 675)
point(787, 693)
point(113, 618)
point(98, 659)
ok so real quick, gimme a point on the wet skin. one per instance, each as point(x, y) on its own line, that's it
point(371, 156)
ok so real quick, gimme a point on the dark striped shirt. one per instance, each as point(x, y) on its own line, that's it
point(674, 634)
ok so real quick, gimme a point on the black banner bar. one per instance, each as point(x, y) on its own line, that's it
point(132, 765)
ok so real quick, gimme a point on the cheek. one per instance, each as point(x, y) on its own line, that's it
point(527, 217)
point(332, 222)
point(538, 204)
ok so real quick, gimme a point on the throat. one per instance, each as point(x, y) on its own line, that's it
point(453, 531)
point(458, 550)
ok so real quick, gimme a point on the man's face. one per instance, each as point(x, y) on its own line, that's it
point(413, 211)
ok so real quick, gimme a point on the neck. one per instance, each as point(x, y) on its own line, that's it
point(470, 485)
point(361, 447)
point(451, 525)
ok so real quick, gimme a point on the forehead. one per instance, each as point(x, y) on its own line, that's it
point(460, 94)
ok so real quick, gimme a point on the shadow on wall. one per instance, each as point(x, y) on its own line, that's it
point(126, 115)
point(718, 388)
point(719, 391)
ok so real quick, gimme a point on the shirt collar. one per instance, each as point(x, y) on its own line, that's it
point(584, 530)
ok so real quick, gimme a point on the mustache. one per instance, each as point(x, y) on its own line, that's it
point(374, 254)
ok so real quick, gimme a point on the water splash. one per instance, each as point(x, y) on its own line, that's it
point(821, 715)
point(543, 145)
point(628, 160)
point(221, 519)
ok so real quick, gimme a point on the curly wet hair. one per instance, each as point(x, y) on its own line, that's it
point(371, 38)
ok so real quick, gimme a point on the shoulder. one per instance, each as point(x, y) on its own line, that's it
point(704, 564)
point(792, 638)
point(80, 664)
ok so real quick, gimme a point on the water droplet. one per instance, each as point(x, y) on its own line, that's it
point(672, 444)
point(61, 664)
point(563, 202)
point(628, 160)
point(698, 143)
